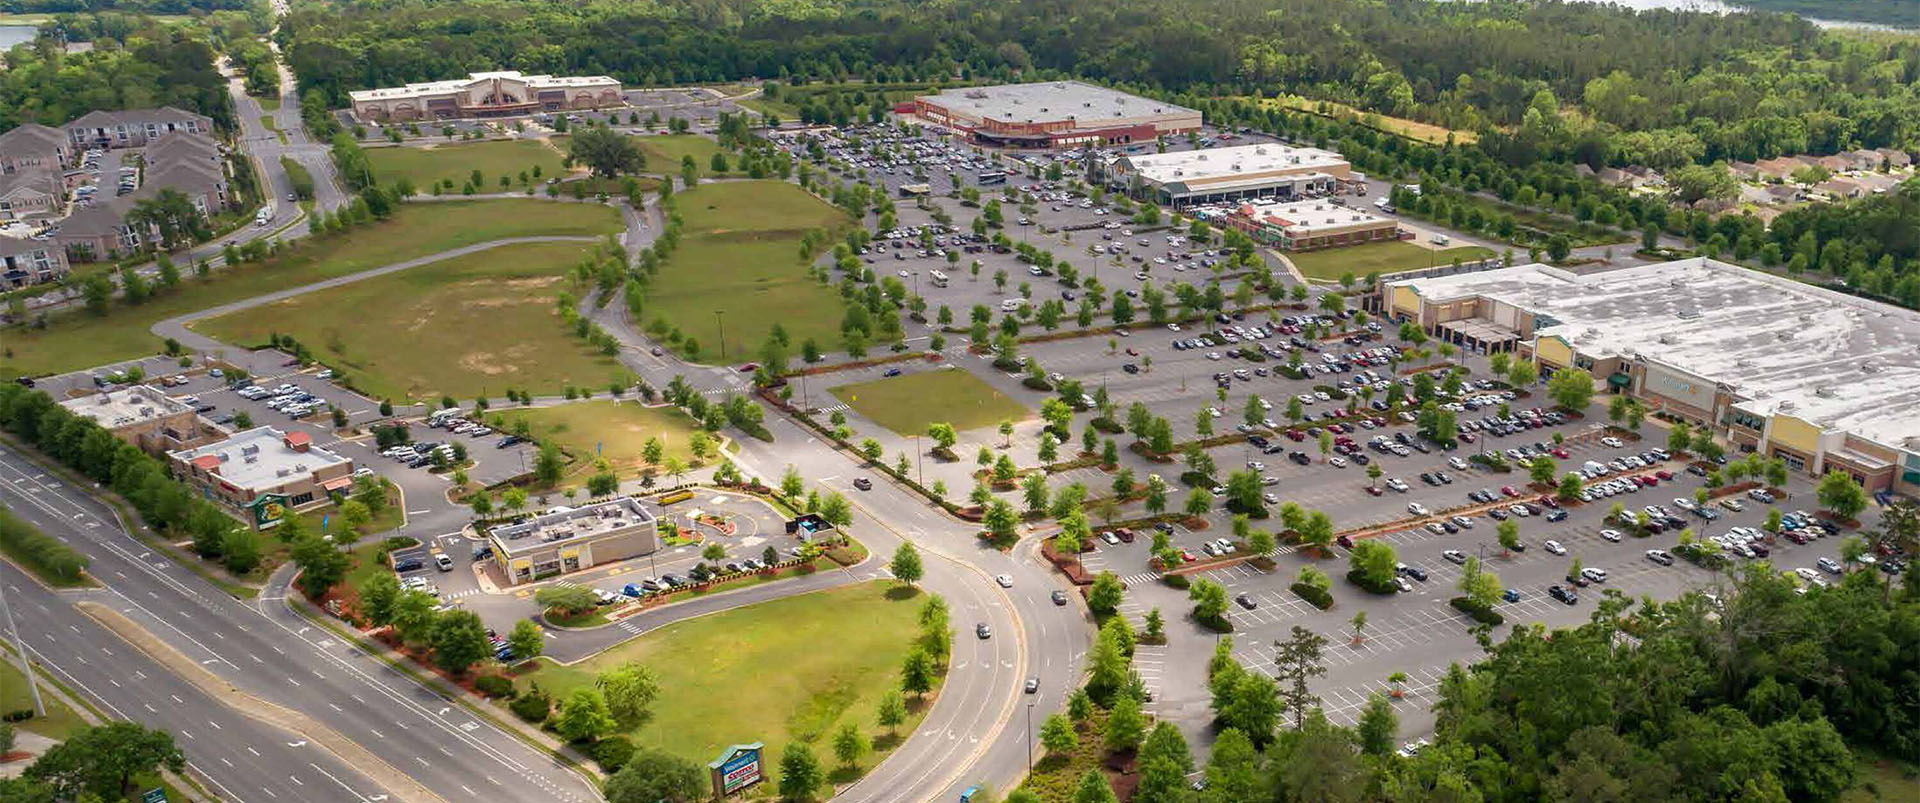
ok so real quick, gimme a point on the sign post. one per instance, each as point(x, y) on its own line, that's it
point(737, 768)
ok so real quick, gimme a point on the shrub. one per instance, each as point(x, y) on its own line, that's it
point(612, 753)
point(1485, 616)
point(532, 706)
point(1314, 595)
point(1358, 579)
point(1179, 581)
point(493, 686)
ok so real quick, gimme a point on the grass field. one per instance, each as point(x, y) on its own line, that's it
point(471, 325)
point(456, 162)
point(620, 429)
point(78, 340)
point(739, 254)
point(793, 668)
point(60, 720)
point(1411, 129)
point(907, 403)
point(664, 152)
point(1381, 257)
point(269, 103)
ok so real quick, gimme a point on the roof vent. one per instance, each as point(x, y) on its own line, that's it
point(1825, 392)
point(1785, 335)
point(1669, 339)
point(1869, 366)
point(1786, 405)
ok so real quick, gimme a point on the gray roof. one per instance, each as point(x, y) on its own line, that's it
point(37, 177)
point(106, 119)
point(180, 145)
point(15, 246)
point(31, 138)
point(103, 218)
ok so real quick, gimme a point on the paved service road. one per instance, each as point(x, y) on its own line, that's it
point(263, 648)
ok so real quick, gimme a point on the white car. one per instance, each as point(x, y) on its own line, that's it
point(1519, 510)
point(1455, 556)
point(1005, 580)
point(1417, 509)
point(1660, 556)
point(1612, 442)
point(1595, 575)
point(1337, 462)
point(1684, 504)
point(1555, 548)
point(1457, 464)
point(1397, 484)
point(1611, 535)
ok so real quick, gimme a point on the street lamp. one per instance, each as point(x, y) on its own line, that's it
point(1029, 735)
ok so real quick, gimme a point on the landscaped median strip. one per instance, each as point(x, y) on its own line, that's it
point(348, 751)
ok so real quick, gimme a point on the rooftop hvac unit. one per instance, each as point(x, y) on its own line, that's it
point(252, 458)
point(1785, 336)
point(1825, 392)
point(1869, 366)
point(1669, 339)
point(146, 412)
point(250, 449)
point(281, 472)
point(1787, 405)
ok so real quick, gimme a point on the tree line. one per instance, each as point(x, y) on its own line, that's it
point(150, 65)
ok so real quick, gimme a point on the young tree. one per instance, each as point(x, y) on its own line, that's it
point(1571, 388)
point(906, 566)
point(1105, 595)
point(892, 712)
point(629, 690)
point(849, 744)
point(459, 641)
point(1377, 727)
point(1126, 726)
point(800, 775)
point(526, 640)
point(584, 716)
point(101, 762)
point(652, 775)
point(1841, 495)
point(1058, 736)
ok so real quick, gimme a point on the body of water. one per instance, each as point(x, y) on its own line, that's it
point(11, 35)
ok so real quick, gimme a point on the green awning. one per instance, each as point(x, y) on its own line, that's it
point(1619, 380)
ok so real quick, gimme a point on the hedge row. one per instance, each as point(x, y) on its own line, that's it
point(42, 553)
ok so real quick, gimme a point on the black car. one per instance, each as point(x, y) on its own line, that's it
point(1246, 602)
point(1130, 368)
point(1563, 594)
point(1416, 573)
point(863, 483)
point(507, 441)
point(1059, 597)
point(1299, 457)
point(1557, 515)
point(1257, 440)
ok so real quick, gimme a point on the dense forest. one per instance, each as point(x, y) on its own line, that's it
point(154, 65)
point(1700, 86)
point(1751, 694)
point(141, 6)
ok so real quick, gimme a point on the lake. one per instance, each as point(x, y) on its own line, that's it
point(11, 35)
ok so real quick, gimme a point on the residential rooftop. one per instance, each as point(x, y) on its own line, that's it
point(129, 405)
point(577, 524)
point(1211, 164)
point(1831, 359)
point(261, 458)
point(1087, 105)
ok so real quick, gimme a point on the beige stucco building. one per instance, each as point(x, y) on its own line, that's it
point(506, 93)
point(569, 540)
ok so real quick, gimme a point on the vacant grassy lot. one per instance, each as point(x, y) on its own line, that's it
point(907, 403)
point(794, 668)
point(463, 327)
point(79, 340)
point(1382, 257)
point(619, 429)
point(664, 152)
point(740, 255)
point(456, 162)
point(1411, 129)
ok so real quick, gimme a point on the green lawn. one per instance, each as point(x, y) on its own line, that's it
point(739, 255)
point(267, 121)
point(59, 722)
point(1382, 257)
point(471, 325)
point(664, 152)
point(269, 103)
point(907, 403)
point(456, 162)
point(793, 668)
point(79, 340)
point(619, 429)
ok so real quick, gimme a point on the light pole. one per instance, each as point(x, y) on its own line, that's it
point(40, 708)
point(1029, 736)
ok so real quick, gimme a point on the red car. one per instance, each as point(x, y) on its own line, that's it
point(1465, 437)
point(1549, 501)
point(1648, 482)
point(1561, 453)
point(1133, 352)
point(1665, 475)
point(750, 368)
point(1374, 490)
point(1295, 435)
point(1187, 556)
point(1508, 490)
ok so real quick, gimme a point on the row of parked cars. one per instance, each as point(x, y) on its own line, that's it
point(284, 398)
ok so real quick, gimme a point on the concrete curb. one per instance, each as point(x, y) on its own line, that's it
point(348, 751)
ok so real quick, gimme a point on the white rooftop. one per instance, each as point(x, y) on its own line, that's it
point(1308, 217)
point(1837, 361)
point(577, 524)
point(1231, 162)
point(128, 405)
point(1087, 105)
point(259, 458)
point(431, 88)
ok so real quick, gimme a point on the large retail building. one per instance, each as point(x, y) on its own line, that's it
point(568, 540)
point(1054, 114)
point(1215, 175)
point(506, 93)
point(1822, 380)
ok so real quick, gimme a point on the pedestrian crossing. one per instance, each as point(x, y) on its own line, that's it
point(1142, 578)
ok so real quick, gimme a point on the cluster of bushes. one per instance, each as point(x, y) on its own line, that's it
point(588, 331)
point(735, 410)
point(1314, 595)
point(1485, 615)
point(44, 554)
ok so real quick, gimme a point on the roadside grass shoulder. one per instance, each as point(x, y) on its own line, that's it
point(455, 162)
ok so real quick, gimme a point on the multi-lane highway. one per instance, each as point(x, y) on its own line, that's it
point(266, 650)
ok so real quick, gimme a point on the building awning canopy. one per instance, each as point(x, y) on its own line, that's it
point(337, 483)
point(1619, 380)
